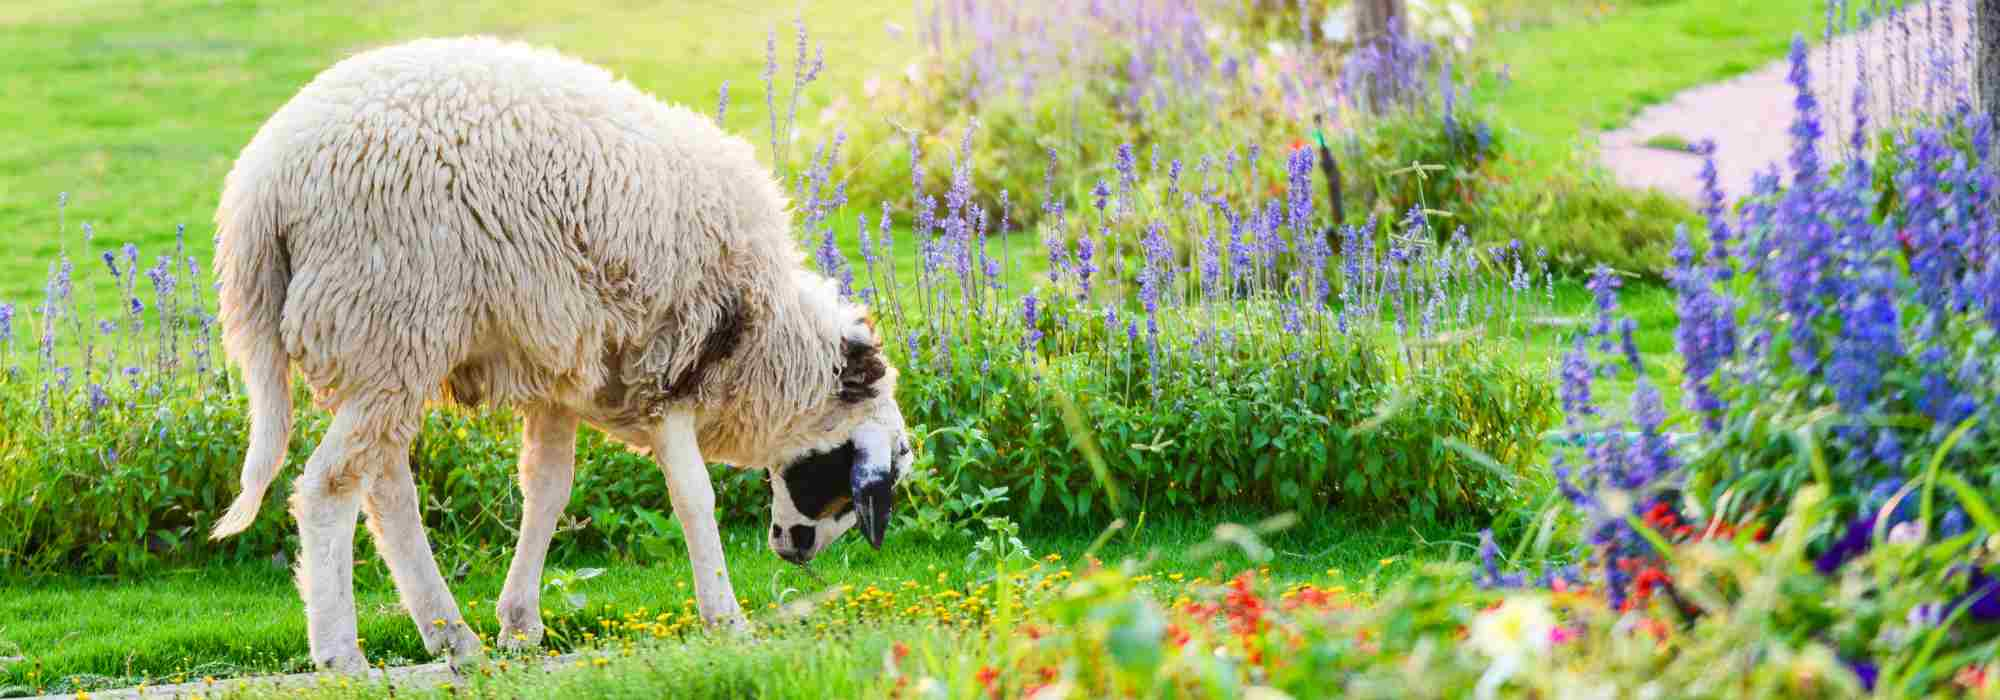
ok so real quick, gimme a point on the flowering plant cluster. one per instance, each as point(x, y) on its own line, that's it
point(1832, 334)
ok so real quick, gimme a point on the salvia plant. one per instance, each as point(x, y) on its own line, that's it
point(1835, 328)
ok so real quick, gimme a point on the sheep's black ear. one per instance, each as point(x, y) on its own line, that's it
point(861, 367)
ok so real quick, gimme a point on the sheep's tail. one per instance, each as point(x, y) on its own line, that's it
point(255, 271)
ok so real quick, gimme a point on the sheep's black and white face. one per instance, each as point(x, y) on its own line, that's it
point(818, 496)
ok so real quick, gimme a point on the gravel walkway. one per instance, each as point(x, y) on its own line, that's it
point(403, 678)
point(1919, 61)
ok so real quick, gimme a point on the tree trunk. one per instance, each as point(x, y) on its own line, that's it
point(1375, 24)
point(1371, 19)
point(1986, 27)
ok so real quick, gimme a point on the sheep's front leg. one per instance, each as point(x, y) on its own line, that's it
point(548, 469)
point(693, 495)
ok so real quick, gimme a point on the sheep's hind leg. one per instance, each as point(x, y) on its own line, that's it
point(398, 528)
point(325, 501)
point(693, 495)
point(548, 467)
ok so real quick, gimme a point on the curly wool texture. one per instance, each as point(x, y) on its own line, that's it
point(515, 226)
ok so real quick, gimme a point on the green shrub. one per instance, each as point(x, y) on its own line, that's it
point(1582, 219)
point(140, 483)
point(1419, 158)
point(1276, 423)
point(1268, 419)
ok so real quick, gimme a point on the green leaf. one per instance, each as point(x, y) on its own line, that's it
point(1975, 505)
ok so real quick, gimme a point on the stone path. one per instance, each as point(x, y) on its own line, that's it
point(1917, 63)
point(416, 677)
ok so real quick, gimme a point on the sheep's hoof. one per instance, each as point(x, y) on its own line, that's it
point(733, 626)
point(346, 663)
point(465, 664)
point(455, 640)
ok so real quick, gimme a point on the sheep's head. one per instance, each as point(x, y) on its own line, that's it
point(819, 495)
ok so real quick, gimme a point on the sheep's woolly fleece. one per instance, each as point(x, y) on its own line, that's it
point(515, 226)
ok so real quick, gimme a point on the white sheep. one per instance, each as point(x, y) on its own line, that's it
point(498, 224)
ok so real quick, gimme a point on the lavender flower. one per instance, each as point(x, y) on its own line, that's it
point(1030, 316)
point(1489, 561)
point(1086, 264)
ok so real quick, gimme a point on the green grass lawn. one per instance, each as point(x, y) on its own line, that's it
point(137, 110)
point(1576, 72)
point(230, 620)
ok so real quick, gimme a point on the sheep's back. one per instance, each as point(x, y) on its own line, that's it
point(499, 213)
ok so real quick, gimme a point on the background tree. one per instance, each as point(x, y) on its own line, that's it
point(1372, 17)
point(1374, 23)
point(1986, 26)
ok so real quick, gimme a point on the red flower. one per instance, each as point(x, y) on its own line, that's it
point(986, 676)
point(902, 651)
point(1177, 635)
point(1973, 677)
point(1309, 596)
point(1654, 627)
point(1648, 579)
point(1245, 609)
point(1202, 612)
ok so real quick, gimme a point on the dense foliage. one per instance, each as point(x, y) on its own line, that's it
point(1259, 369)
point(1097, 83)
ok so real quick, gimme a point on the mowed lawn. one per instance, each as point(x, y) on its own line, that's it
point(137, 108)
point(1575, 69)
point(228, 620)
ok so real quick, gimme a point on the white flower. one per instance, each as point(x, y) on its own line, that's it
point(1521, 626)
point(1265, 692)
point(1905, 533)
point(1336, 25)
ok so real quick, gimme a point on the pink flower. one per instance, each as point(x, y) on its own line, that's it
point(1560, 635)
